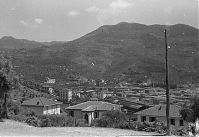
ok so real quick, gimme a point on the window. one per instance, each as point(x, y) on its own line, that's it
point(134, 119)
point(173, 122)
point(72, 113)
point(96, 114)
point(152, 119)
point(143, 118)
point(181, 122)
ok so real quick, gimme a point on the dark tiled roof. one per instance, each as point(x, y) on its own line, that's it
point(160, 110)
point(94, 105)
point(40, 101)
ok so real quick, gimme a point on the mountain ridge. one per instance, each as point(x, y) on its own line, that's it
point(110, 50)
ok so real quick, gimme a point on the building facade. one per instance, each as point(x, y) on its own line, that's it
point(158, 114)
point(42, 106)
point(91, 110)
point(65, 95)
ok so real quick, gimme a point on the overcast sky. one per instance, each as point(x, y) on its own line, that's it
point(50, 20)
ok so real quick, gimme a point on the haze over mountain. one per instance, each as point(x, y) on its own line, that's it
point(134, 50)
point(9, 42)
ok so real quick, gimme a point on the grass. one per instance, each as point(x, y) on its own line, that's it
point(13, 128)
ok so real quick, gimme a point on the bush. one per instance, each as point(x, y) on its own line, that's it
point(124, 125)
point(99, 123)
point(56, 121)
point(148, 127)
point(81, 123)
point(113, 118)
point(26, 115)
point(160, 128)
point(33, 121)
point(45, 122)
point(138, 126)
point(20, 118)
point(179, 132)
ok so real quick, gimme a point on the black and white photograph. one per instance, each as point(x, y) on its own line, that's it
point(99, 68)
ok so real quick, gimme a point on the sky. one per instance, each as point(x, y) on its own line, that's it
point(65, 20)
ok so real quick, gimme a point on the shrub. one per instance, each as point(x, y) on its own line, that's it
point(113, 118)
point(138, 126)
point(124, 125)
point(99, 123)
point(81, 123)
point(33, 121)
point(69, 121)
point(179, 132)
point(56, 121)
point(148, 127)
point(160, 128)
point(45, 122)
point(20, 118)
point(26, 115)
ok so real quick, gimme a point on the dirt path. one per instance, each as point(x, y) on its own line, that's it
point(13, 128)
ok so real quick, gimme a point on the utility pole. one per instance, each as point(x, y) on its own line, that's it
point(167, 87)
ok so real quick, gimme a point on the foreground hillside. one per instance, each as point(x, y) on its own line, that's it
point(13, 128)
point(132, 49)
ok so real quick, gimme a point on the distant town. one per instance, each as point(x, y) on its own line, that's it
point(87, 99)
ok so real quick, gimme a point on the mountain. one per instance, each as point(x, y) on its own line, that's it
point(133, 50)
point(8, 43)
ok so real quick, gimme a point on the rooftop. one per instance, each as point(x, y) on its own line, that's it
point(160, 110)
point(40, 101)
point(94, 105)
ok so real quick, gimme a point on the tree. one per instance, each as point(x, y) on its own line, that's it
point(6, 76)
point(190, 112)
point(113, 118)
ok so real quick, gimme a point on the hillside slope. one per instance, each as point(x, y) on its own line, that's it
point(135, 50)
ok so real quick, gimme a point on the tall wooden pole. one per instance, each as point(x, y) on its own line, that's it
point(167, 87)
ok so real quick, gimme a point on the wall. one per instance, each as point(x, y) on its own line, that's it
point(164, 121)
point(101, 113)
point(54, 109)
point(90, 117)
point(65, 95)
point(37, 109)
point(77, 113)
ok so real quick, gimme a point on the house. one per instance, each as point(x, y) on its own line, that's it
point(129, 106)
point(52, 81)
point(48, 88)
point(158, 114)
point(65, 95)
point(106, 93)
point(41, 105)
point(91, 110)
point(78, 93)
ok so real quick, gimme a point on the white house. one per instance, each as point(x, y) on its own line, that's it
point(41, 105)
point(158, 113)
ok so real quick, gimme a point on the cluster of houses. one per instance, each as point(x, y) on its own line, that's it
point(91, 110)
point(143, 104)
